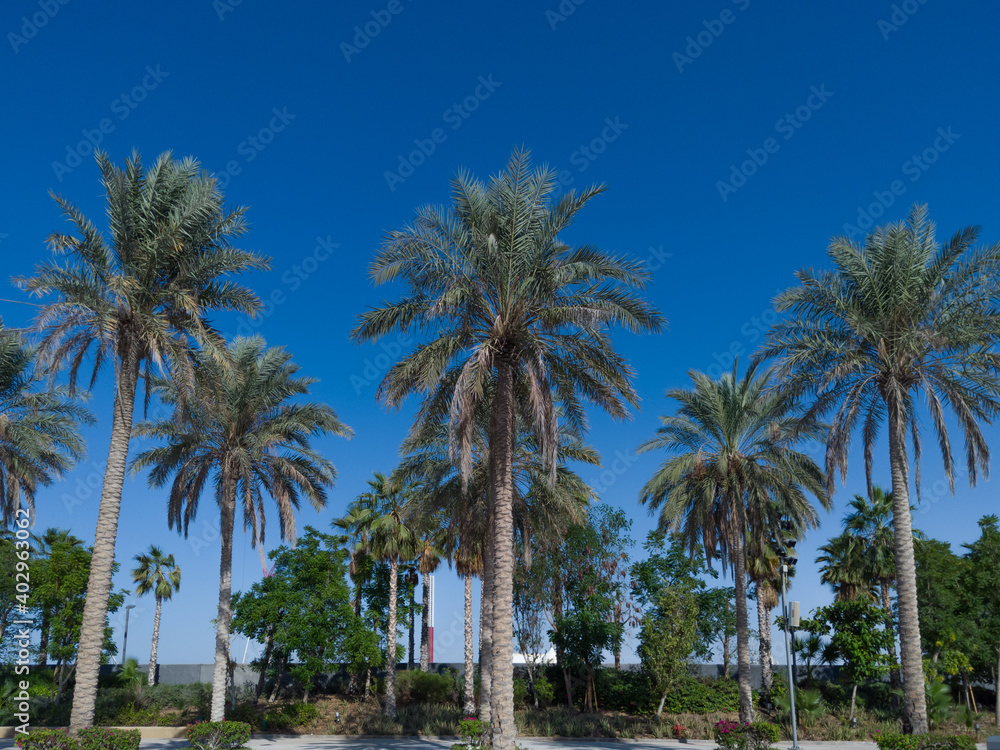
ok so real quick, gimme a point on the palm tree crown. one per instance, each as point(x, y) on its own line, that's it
point(156, 573)
point(39, 437)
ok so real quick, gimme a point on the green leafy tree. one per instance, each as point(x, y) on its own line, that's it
point(39, 437)
point(734, 473)
point(860, 635)
point(136, 298)
point(303, 607)
point(160, 575)
point(666, 583)
point(981, 584)
point(897, 318)
point(59, 580)
point(246, 430)
point(502, 296)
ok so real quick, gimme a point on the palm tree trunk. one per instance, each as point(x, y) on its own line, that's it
point(502, 427)
point(156, 639)
point(95, 607)
point(425, 661)
point(390, 641)
point(742, 628)
point(884, 584)
point(486, 631)
point(221, 673)
point(413, 614)
point(914, 704)
point(470, 687)
point(764, 625)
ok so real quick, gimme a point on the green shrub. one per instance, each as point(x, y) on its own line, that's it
point(244, 713)
point(937, 741)
point(46, 739)
point(300, 714)
point(692, 695)
point(545, 691)
point(425, 687)
point(276, 721)
point(218, 735)
point(759, 735)
point(521, 692)
point(103, 738)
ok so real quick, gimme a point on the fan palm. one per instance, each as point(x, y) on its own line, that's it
point(136, 299)
point(894, 318)
point(39, 437)
point(499, 293)
point(734, 475)
point(159, 574)
point(243, 432)
point(844, 569)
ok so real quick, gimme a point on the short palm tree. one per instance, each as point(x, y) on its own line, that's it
point(895, 318)
point(382, 514)
point(39, 438)
point(135, 299)
point(734, 474)
point(430, 554)
point(159, 574)
point(245, 432)
point(844, 568)
point(500, 295)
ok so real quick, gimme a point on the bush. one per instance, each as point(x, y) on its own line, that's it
point(218, 735)
point(300, 714)
point(46, 739)
point(692, 695)
point(545, 691)
point(521, 692)
point(735, 736)
point(425, 687)
point(103, 738)
point(924, 741)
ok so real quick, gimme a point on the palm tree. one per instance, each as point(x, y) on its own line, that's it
point(160, 574)
point(734, 475)
point(429, 555)
point(242, 431)
point(382, 513)
point(39, 437)
point(843, 567)
point(502, 296)
point(898, 316)
point(763, 568)
point(136, 298)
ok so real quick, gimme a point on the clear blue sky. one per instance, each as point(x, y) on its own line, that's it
point(314, 122)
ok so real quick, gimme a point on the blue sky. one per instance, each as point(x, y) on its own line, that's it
point(735, 138)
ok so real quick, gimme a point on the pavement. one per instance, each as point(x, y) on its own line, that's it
point(335, 742)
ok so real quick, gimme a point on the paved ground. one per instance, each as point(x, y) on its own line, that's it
point(325, 742)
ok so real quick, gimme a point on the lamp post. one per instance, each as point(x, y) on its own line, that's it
point(785, 552)
point(125, 637)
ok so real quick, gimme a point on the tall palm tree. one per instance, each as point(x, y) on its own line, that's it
point(245, 431)
point(136, 298)
point(734, 474)
point(159, 574)
point(39, 437)
point(382, 512)
point(430, 553)
point(500, 295)
point(894, 318)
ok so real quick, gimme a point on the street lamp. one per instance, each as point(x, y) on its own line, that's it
point(786, 549)
point(125, 637)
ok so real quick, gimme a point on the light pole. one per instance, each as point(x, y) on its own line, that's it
point(125, 637)
point(785, 550)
